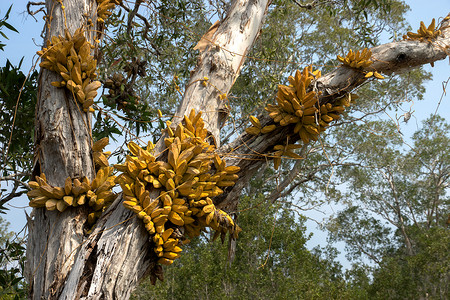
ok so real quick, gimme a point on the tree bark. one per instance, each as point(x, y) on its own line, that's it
point(109, 263)
point(221, 63)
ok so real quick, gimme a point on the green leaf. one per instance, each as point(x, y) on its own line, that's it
point(10, 27)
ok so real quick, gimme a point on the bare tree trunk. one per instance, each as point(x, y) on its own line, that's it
point(63, 149)
point(221, 63)
point(108, 264)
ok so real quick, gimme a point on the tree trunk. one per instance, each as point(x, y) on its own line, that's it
point(63, 149)
point(221, 63)
point(108, 264)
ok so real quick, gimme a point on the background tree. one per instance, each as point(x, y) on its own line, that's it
point(17, 149)
point(397, 208)
point(12, 261)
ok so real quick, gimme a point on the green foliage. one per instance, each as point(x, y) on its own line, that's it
point(164, 51)
point(18, 96)
point(12, 252)
point(12, 261)
point(11, 81)
point(397, 206)
point(412, 277)
point(3, 23)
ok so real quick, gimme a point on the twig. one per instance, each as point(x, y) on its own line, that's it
point(32, 13)
point(12, 195)
point(307, 5)
point(132, 14)
point(13, 177)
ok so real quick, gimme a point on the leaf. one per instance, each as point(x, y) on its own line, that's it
point(378, 75)
point(7, 13)
point(10, 27)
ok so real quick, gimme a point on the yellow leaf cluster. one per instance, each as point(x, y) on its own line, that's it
point(424, 33)
point(284, 150)
point(100, 157)
point(97, 194)
point(257, 127)
point(295, 105)
point(104, 9)
point(192, 175)
point(375, 74)
point(301, 110)
point(70, 56)
point(357, 60)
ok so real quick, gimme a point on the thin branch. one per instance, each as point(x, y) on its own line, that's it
point(144, 19)
point(399, 214)
point(320, 224)
point(290, 178)
point(14, 177)
point(132, 14)
point(32, 13)
point(371, 256)
point(306, 5)
point(127, 9)
point(11, 196)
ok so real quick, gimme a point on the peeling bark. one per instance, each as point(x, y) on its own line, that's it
point(221, 63)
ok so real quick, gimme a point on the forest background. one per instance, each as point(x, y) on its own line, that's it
point(282, 235)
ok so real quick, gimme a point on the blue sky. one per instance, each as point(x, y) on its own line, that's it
point(26, 44)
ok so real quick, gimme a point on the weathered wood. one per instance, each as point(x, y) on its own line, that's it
point(113, 260)
point(63, 148)
point(394, 57)
point(221, 63)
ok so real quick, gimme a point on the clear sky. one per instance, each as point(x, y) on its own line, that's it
point(26, 44)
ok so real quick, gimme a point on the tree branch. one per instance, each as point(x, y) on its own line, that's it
point(13, 177)
point(131, 15)
point(32, 13)
point(247, 151)
point(307, 5)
